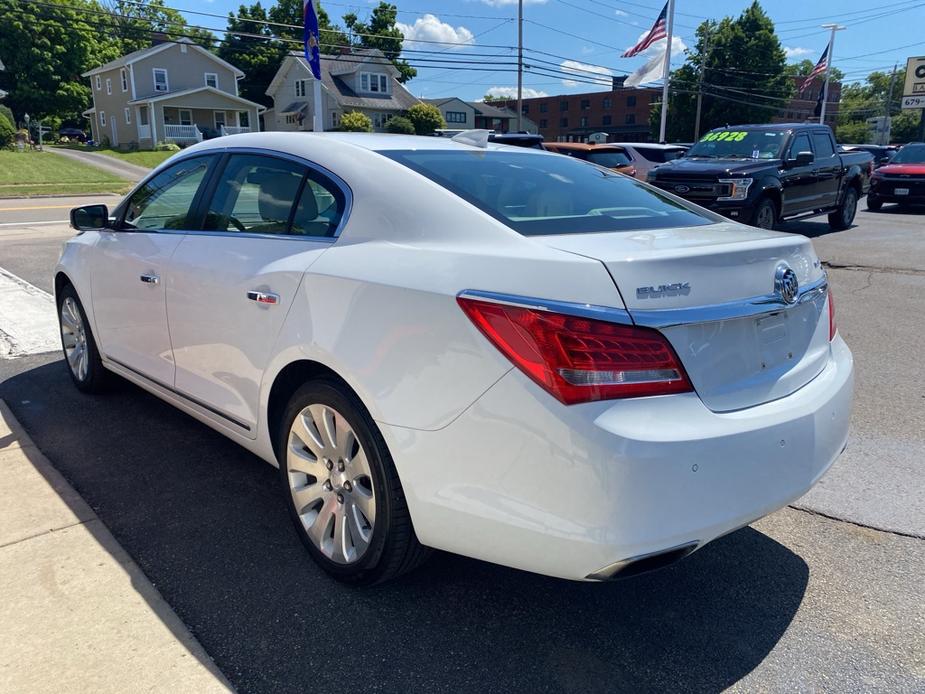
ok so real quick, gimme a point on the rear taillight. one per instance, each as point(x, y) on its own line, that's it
point(833, 328)
point(580, 359)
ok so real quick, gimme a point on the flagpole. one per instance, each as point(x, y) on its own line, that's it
point(317, 109)
point(666, 71)
point(828, 69)
point(520, 64)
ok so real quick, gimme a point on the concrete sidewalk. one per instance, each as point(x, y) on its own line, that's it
point(76, 613)
point(117, 167)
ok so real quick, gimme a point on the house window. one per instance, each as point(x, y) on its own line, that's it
point(606, 120)
point(108, 85)
point(583, 122)
point(124, 77)
point(631, 101)
point(128, 115)
point(99, 84)
point(160, 80)
point(380, 119)
point(543, 123)
point(455, 117)
point(630, 119)
point(244, 119)
point(300, 88)
point(544, 107)
point(526, 109)
point(143, 115)
point(563, 105)
point(103, 118)
point(607, 103)
point(374, 82)
point(291, 119)
point(219, 119)
point(585, 104)
point(186, 116)
point(212, 80)
point(563, 122)
point(335, 118)
point(183, 48)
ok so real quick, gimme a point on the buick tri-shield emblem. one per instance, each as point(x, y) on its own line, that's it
point(786, 285)
point(681, 189)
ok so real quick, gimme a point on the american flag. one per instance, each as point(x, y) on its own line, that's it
point(658, 31)
point(818, 70)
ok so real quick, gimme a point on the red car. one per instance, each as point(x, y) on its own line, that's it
point(902, 180)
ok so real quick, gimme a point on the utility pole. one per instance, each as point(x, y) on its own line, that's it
point(666, 72)
point(703, 69)
point(520, 64)
point(885, 131)
point(828, 69)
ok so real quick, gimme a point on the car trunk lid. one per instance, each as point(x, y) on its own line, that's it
point(711, 291)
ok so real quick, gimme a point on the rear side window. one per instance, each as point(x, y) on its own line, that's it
point(823, 145)
point(268, 195)
point(164, 201)
point(611, 160)
point(660, 156)
point(537, 194)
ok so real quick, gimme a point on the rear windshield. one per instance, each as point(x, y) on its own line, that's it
point(611, 159)
point(740, 144)
point(660, 156)
point(538, 194)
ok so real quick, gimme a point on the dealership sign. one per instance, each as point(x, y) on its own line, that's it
point(914, 88)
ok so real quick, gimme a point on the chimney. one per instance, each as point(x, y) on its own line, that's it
point(158, 38)
point(618, 81)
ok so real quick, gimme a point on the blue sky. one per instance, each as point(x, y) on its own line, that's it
point(586, 37)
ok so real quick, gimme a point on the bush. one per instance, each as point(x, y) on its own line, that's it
point(400, 126)
point(5, 110)
point(166, 147)
point(426, 118)
point(356, 122)
point(7, 131)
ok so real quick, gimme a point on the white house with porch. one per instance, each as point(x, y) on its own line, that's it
point(174, 91)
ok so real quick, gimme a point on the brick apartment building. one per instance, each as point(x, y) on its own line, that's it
point(621, 113)
point(801, 109)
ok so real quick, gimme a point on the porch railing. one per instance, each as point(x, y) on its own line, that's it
point(182, 133)
point(234, 130)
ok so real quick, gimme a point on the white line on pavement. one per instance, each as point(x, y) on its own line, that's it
point(28, 321)
point(32, 224)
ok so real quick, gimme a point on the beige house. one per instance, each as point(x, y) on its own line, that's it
point(362, 80)
point(457, 113)
point(171, 92)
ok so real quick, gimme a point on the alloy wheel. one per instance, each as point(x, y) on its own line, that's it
point(850, 207)
point(765, 218)
point(74, 339)
point(331, 483)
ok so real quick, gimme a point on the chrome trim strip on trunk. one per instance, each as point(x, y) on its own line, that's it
point(604, 313)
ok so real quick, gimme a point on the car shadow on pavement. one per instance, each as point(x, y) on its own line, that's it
point(206, 522)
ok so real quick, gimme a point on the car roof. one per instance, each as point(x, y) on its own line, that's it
point(583, 146)
point(650, 145)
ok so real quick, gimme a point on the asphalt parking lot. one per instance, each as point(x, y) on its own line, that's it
point(827, 596)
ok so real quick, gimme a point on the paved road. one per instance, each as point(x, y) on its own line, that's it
point(797, 602)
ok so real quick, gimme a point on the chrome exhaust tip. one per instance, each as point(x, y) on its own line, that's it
point(643, 563)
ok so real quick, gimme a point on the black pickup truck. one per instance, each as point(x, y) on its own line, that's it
point(763, 174)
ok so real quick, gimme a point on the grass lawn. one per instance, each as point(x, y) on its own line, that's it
point(146, 159)
point(42, 173)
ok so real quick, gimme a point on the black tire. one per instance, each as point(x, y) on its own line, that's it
point(93, 377)
point(843, 217)
point(393, 547)
point(874, 203)
point(765, 216)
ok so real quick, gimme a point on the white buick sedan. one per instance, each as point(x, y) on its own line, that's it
point(504, 353)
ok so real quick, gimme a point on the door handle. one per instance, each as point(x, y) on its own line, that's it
point(150, 279)
point(263, 297)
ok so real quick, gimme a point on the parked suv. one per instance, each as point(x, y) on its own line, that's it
point(902, 180)
point(647, 155)
point(763, 174)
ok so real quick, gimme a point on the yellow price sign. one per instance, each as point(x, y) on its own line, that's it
point(725, 136)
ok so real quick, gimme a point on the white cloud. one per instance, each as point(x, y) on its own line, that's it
point(620, 13)
point(504, 3)
point(677, 46)
point(430, 28)
point(511, 92)
point(796, 52)
point(584, 71)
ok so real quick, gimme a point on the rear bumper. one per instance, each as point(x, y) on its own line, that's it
point(521, 480)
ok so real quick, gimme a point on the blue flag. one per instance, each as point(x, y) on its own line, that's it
point(310, 38)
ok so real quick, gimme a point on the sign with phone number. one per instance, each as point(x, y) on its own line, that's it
point(913, 102)
point(725, 136)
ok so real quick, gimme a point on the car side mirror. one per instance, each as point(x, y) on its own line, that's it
point(802, 159)
point(90, 217)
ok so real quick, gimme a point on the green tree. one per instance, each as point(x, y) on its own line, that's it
point(426, 118)
point(744, 77)
point(45, 48)
point(400, 125)
point(289, 12)
point(7, 131)
point(379, 31)
point(871, 98)
point(139, 23)
point(356, 122)
point(248, 45)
